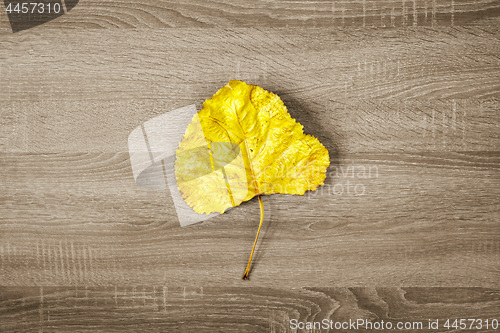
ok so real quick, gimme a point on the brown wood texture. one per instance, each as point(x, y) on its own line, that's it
point(316, 64)
point(223, 309)
point(404, 94)
point(93, 14)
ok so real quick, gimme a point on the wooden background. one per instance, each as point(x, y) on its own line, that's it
point(404, 94)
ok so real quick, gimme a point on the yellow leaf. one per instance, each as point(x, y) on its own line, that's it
point(243, 143)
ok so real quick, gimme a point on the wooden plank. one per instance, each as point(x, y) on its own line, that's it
point(116, 14)
point(344, 126)
point(259, 309)
point(182, 66)
point(382, 219)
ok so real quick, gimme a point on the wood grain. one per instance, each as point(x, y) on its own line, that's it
point(148, 14)
point(344, 125)
point(428, 139)
point(382, 219)
point(187, 309)
point(404, 94)
point(313, 64)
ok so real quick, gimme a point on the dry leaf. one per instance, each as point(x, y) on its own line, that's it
point(243, 143)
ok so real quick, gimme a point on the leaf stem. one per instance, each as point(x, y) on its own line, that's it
point(247, 271)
